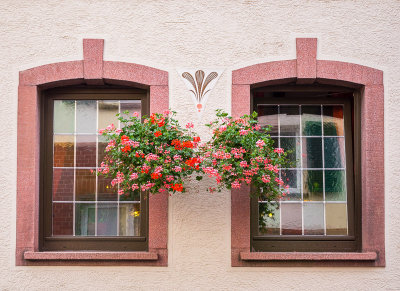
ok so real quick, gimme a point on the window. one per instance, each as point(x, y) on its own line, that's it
point(92, 70)
point(80, 210)
point(314, 125)
point(358, 240)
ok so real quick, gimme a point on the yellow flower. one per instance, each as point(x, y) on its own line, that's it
point(270, 215)
point(135, 213)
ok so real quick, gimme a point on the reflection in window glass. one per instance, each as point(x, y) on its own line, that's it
point(129, 219)
point(313, 136)
point(64, 113)
point(268, 116)
point(85, 204)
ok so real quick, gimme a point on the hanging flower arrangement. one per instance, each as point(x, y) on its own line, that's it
point(156, 154)
point(151, 155)
point(240, 152)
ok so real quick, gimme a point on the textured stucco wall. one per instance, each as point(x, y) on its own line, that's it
point(173, 34)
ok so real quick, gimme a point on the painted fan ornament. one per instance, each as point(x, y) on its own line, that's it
point(200, 83)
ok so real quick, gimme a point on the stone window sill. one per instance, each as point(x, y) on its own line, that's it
point(307, 256)
point(80, 256)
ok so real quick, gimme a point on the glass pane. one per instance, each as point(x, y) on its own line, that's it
point(291, 218)
point(131, 106)
point(129, 219)
point(334, 152)
point(104, 190)
point(333, 120)
point(85, 215)
point(107, 218)
point(86, 116)
point(86, 151)
point(291, 145)
point(293, 179)
point(63, 218)
point(335, 185)
point(275, 142)
point(289, 120)
point(130, 196)
point(313, 218)
point(107, 113)
point(311, 120)
point(268, 219)
point(63, 151)
point(102, 144)
point(268, 115)
point(64, 116)
point(312, 152)
point(85, 187)
point(63, 184)
point(312, 185)
point(336, 218)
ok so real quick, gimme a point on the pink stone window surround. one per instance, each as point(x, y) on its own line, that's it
point(306, 69)
point(91, 71)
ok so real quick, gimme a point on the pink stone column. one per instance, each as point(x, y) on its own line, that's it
point(27, 172)
point(372, 165)
point(240, 100)
point(306, 62)
point(93, 61)
point(159, 99)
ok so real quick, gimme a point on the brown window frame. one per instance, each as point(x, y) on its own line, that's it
point(47, 242)
point(305, 94)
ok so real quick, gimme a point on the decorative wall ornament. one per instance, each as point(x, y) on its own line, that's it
point(200, 83)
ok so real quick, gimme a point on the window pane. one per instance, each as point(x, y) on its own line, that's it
point(333, 120)
point(130, 196)
point(85, 187)
point(131, 106)
point(268, 115)
point(86, 116)
point(291, 145)
point(63, 184)
point(86, 151)
point(312, 152)
point(63, 218)
point(107, 218)
point(313, 218)
point(311, 120)
point(336, 218)
point(269, 221)
point(104, 190)
point(335, 185)
point(334, 152)
point(64, 116)
point(63, 151)
point(293, 179)
point(102, 144)
point(85, 215)
point(107, 113)
point(129, 219)
point(289, 119)
point(275, 141)
point(313, 185)
point(291, 218)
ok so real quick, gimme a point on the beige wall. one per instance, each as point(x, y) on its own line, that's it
point(174, 34)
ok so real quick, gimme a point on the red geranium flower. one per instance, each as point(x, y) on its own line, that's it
point(156, 176)
point(187, 144)
point(177, 187)
point(157, 133)
point(126, 149)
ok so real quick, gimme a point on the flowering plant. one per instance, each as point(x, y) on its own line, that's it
point(154, 155)
point(240, 151)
